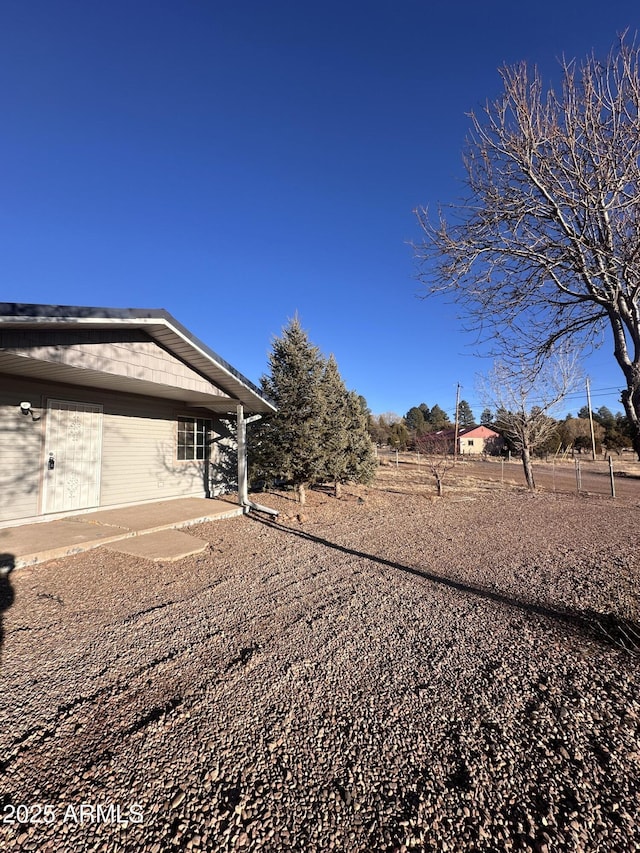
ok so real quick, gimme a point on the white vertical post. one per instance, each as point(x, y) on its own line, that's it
point(613, 482)
point(243, 493)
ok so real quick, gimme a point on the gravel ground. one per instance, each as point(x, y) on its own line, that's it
point(390, 672)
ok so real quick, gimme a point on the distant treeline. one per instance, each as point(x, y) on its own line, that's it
point(612, 433)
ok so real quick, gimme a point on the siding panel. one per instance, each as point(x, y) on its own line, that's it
point(131, 354)
point(138, 447)
point(20, 454)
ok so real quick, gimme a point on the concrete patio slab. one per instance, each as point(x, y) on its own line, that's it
point(29, 544)
point(161, 546)
point(182, 512)
point(37, 543)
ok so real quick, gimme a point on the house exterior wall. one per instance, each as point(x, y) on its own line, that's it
point(139, 441)
point(479, 440)
point(121, 352)
point(472, 446)
point(20, 453)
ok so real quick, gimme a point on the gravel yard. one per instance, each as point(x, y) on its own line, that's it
point(392, 672)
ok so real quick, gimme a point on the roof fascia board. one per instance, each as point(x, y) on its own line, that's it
point(15, 313)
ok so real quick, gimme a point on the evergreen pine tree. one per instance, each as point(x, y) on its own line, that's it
point(606, 417)
point(361, 460)
point(289, 444)
point(398, 435)
point(426, 411)
point(438, 418)
point(414, 420)
point(584, 413)
point(320, 432)
point(348, 449)
point(335, 428)
point(465, 415)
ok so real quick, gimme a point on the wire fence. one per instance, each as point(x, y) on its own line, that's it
point(610, 477)
point(580, 476)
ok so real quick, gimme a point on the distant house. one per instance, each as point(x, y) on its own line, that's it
point(472, 441)
point(479, 439)
point(103, 407)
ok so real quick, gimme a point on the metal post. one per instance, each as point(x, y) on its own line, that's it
point(578, 476)
point(396, 457)
point(613, 482)
point(241, 441)
point(502, 470)
point(241, 438)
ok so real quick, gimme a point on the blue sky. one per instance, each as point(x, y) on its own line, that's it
point(237, 162)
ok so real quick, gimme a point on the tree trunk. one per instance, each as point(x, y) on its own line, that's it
point(636, 443)
point(440, 486)
point(630, 396)
point(528, 470)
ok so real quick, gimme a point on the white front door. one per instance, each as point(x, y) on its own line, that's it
point(73, 454)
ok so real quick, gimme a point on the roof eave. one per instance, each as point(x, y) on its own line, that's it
point(168, 332)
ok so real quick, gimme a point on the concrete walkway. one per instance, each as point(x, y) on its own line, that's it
point(28, 544)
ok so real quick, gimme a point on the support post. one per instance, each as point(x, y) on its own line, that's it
point(241, 438)
point(613, 482)
point(243, 487)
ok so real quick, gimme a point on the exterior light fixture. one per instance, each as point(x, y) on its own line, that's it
point(27, 409)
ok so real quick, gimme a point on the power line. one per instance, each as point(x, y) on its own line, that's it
point(598, 393)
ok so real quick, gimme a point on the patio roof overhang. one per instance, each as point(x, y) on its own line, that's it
point(231, 387)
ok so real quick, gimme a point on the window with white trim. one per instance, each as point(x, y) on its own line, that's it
point(192, 438)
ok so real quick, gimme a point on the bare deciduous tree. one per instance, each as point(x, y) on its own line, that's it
point(437, 448)
point(525, 400)
point(546, 245)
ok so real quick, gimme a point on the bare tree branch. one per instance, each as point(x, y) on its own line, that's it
point(545, 248)
point(438, 450)
point(525, 400)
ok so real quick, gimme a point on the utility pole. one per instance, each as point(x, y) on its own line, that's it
point(593, 438)
point(455, 438)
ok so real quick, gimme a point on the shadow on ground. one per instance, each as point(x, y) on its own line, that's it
point(7, 595)
point(607, 628)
